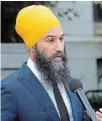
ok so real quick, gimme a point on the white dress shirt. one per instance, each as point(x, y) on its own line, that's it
point(64, 94)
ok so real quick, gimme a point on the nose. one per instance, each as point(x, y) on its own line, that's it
point(59, 46)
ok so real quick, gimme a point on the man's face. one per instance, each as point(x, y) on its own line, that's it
point(50, 57)
point(51, 43)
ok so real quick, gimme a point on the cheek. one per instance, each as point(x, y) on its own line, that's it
point(48, 52)
point(45, 48)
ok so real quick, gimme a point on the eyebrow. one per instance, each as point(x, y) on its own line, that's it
point(54, 36)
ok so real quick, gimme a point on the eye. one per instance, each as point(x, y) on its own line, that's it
point(62, 39)
point(50, 40)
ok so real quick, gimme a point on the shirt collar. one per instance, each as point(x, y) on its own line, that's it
point(32, 65)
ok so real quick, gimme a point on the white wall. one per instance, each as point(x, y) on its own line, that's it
point(78, 26)
point(82, 57)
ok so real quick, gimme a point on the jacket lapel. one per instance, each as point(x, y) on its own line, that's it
point(32, 84)
point(72, 98)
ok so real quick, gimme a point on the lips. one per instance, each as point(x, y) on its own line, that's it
point(56, 59)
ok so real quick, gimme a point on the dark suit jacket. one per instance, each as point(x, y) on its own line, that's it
point(25, 99)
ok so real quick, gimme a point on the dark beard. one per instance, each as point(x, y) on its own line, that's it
point(52, 71)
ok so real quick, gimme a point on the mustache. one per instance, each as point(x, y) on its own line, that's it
point(58, 54)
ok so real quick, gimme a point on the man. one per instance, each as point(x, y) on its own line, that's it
point(37, 91)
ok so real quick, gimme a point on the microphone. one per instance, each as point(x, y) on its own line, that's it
point(76, 86)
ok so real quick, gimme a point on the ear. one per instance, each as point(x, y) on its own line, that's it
point(32, 53)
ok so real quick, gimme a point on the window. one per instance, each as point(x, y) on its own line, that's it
point(99, 72)
point(97, 12)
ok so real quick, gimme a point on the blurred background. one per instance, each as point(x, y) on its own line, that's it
point(82, 25)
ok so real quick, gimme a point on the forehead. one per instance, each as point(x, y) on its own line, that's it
point(55, 31)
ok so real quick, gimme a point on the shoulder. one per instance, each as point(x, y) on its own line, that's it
point(10, 83)
point(9, 80)
point(8, 100)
